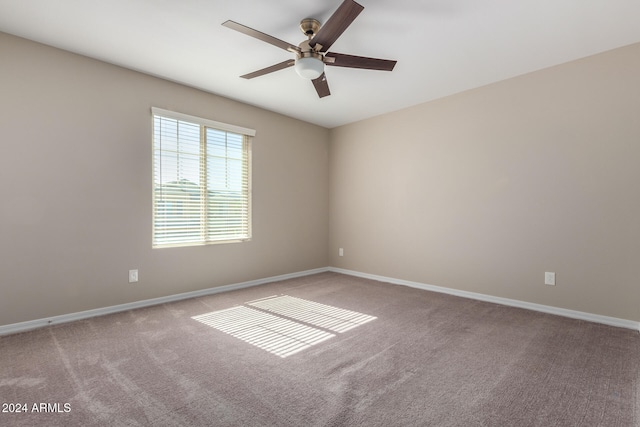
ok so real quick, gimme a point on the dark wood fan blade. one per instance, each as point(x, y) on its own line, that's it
point(321, 85)
point(352, 61)
point(261, 36)
point(271, 69)
point(335, 26)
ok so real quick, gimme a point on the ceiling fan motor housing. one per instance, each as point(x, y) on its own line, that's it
point(309, 63)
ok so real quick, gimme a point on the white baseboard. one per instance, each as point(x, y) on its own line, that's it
point(612, 321)
point(38, 323)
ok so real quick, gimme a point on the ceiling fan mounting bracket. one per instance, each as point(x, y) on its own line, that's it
point(309, 27)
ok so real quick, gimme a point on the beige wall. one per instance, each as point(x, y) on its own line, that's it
point(76, 186)
point(486, 190)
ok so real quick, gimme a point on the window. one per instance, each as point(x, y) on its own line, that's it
point(201, 181)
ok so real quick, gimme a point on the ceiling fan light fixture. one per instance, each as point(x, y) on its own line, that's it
point(309, 67)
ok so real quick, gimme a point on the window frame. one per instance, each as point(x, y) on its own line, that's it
point(204, 124)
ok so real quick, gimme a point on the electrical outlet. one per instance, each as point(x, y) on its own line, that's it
point(133, 276)
point(340, 252)
point(549, 278)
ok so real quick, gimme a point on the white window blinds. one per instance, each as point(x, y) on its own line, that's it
point(202, 185)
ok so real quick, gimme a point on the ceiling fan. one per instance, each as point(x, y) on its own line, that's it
point(312, 54)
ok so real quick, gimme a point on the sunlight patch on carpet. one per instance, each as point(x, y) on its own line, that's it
point(321, 315)
point(282, 337)
point(283, 325)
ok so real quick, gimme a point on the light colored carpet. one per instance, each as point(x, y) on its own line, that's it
point(324, 350)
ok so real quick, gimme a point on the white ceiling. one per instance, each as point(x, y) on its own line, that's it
point(442, 46)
